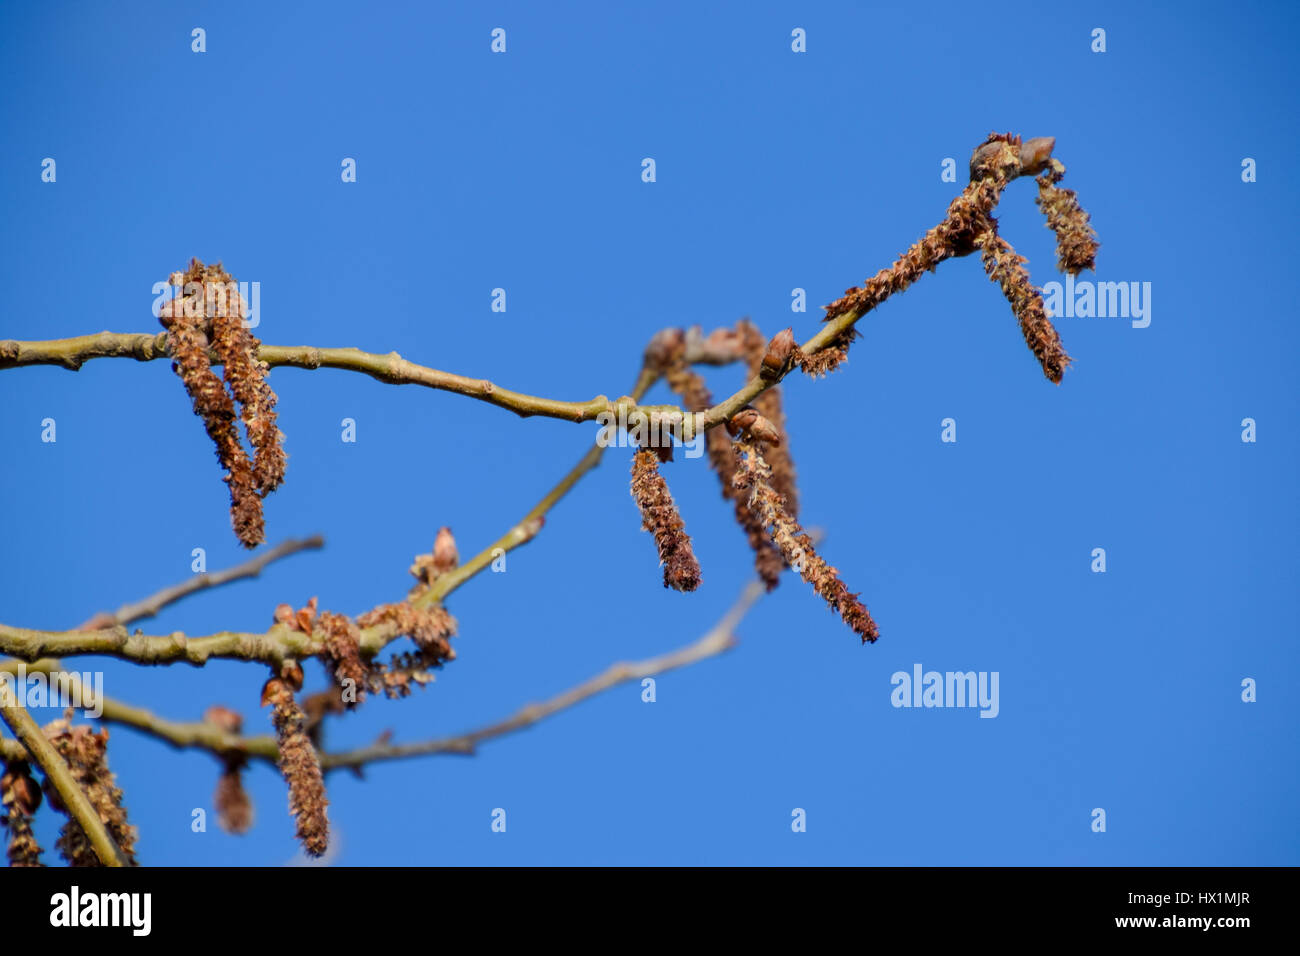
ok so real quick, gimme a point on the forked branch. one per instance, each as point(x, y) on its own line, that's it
point(750, 453)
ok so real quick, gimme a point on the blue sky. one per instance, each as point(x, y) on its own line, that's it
point(775, 170)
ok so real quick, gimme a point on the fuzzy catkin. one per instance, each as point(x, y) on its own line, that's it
point(231, 801)
point(969, 225)
point(660, 517)
point(208, 314)
point(86, 754)
point(777, 454)
point(300, 766)
point(430, 628)
point(237, 348)
point(20, 796)
point(343, 650)
point(1007, 269)
point(696, 397)
point(754, 475)
point(1076, 242)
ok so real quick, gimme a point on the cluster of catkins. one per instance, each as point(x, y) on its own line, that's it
point(205, 320)
point(969, 226)
point(752, 454)
point(353, 673)
point(86, 753)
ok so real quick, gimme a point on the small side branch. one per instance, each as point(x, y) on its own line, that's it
point(718, 640)
point(150, 606)
point(531, 523)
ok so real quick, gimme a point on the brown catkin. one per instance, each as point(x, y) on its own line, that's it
point(343, 650)
point(233, 805)
point(1007, 269)
point(209, 314)
point(951, 237)
point(430, 628)
point(86, 754)
point(660, 517)
point(1001, 158)
point(20, 795)
point(696, 397)
point(768, 405)
point(754, 475)
point(768, 560)
point(237, 348)
point(300, 766)
point(1076, 242)
point(231, 801)
point(187, 341)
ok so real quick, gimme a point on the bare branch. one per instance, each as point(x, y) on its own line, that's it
point(721, 638)
point(528, 526)
point(150, 606)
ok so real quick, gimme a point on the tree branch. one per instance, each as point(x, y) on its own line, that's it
point(967, 226)
point(993, 166)
point(719, 639)
point(272, 647)
point(392, 369)
point(528, 526)
point(210, 737)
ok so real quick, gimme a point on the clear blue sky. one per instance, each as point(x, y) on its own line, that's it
point(775, 170)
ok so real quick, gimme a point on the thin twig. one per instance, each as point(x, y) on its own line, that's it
point(719, 639)
point(180, 734)
point(528, 526)
point(150, 606)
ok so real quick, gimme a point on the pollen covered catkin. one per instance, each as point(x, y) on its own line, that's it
point(969, 225)
point(298, 762)
point(208, 314)
point(659, 516)
point(754, 475)
point(671, 356)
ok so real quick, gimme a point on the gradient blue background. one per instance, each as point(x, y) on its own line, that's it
point(775, 170)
